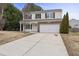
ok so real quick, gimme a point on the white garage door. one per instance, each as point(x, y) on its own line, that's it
point(49, 27)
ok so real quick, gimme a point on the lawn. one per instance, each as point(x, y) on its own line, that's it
point(8, 36)
point(71, 41)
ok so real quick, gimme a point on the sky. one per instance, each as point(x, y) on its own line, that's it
point(71, 8)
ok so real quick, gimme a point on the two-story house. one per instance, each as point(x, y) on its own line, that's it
point(41, 21)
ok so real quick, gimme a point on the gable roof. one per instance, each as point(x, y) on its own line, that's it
point(44, 11)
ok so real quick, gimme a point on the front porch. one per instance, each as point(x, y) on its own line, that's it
point(29, 27)
point(34, 25)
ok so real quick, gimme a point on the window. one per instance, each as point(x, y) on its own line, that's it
point(49, 15)
point(38, 16)
point(53, 14)
point(46, 15)
point(28, 26)
point(27, 16)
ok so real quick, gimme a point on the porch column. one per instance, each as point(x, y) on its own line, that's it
point(38, 27)
point(20, 26)
point(23, 27)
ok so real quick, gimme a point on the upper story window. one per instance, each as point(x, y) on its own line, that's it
point(49, 15)
point(27, 16)
point(38, 16)
point(46, 15)
point(53, 14)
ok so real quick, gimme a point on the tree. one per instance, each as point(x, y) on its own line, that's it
point(12, 16)
point(2, 20)
point(64, 26)
point(67, 24)
point(31, 7)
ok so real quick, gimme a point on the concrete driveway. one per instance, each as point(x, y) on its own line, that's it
point(39, 44)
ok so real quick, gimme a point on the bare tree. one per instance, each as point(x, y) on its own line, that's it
point(2, 21)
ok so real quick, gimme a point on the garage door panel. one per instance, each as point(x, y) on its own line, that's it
point(49, 27)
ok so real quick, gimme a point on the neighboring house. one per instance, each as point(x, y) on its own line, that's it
point(41, 21)
point(74, 24)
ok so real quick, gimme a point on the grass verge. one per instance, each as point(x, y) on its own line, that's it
point(9, 36)
point(71, 41)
